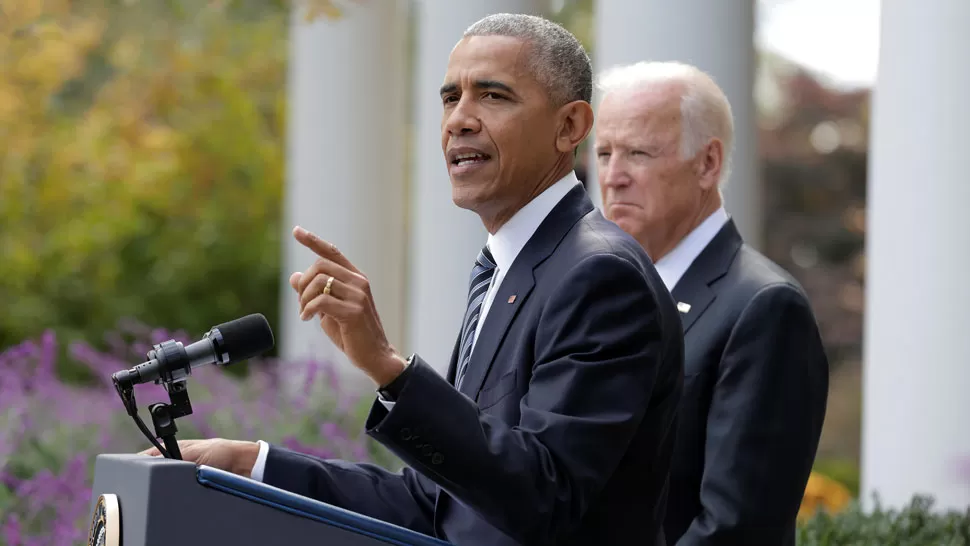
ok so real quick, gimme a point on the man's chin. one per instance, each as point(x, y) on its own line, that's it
point(464, 197)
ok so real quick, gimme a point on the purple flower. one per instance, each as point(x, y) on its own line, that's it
point(51, 431)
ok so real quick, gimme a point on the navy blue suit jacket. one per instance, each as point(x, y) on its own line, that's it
point(755, 393)
point(562, 432)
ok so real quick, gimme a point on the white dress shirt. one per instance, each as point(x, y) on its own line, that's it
point(505, 244)
point(673, 266)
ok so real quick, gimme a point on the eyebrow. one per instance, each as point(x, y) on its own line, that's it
point(479, 84)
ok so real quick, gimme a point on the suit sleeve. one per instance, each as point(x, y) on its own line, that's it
point(406, 498)
point(598, 348)
point(763, 425)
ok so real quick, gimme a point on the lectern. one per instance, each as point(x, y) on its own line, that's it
point(153, 501)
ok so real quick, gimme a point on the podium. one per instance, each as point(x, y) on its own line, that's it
point(152, 501)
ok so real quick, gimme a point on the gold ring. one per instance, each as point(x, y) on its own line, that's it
point(326, 289)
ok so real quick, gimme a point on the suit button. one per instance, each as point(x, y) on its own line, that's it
point(405, 434)
point(437, 458)
point(426, 450)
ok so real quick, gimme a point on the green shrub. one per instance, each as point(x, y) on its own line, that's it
point(918, 524)
point(141, 164)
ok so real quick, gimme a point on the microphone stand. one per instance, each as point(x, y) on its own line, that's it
point(163, 415)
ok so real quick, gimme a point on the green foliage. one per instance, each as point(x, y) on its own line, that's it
point(141, 164)
point(844, 471)
point(918, 524)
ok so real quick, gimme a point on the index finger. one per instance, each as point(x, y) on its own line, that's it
point(323, 248)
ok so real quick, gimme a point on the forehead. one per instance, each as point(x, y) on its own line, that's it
point(639, 113)
point(489, 58)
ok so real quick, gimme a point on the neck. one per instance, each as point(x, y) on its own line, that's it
point(495, 218)
point(664, 243)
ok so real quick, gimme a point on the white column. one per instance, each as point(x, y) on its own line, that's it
point(916, 389)
point(715, 36)
point(444, 240)
point(346, 164)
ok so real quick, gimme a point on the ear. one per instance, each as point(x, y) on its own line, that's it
point(575, 123)
point(709, 163)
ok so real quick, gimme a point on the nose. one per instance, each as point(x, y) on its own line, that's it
point(461, 118)
point(612, 173)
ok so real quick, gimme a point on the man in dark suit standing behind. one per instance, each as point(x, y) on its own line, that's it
point(756, 374)
point(555, 422)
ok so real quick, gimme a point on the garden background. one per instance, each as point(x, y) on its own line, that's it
point(141, 189)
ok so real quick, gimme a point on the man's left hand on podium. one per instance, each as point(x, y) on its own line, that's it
point(233, 456)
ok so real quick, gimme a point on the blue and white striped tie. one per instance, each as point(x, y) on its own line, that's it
point(481, 279)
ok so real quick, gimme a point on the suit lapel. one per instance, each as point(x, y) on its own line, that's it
point(519, 281)
point(693, 293)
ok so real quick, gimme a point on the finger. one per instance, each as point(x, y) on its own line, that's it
point(318, 285)
point(328, 305)
point(151, 452)
point(323, 248)
point(295, 281)
point(326, 269)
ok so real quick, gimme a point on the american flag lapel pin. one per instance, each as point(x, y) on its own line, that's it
point(683, 307)
point(512, 298)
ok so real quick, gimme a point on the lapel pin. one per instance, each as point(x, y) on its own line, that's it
point(683, 307)
point(512, 298)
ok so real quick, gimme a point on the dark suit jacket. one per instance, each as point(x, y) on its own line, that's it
point(562, 433)
point(755, 391)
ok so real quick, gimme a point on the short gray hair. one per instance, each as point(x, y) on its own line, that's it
point(557, 58)
point(705, 111)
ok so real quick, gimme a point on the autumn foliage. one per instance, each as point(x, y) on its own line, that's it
point(141, 163)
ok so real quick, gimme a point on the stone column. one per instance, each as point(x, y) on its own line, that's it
point(718, 38)
point(444, 240)
point(916, 388)
point(346, 164)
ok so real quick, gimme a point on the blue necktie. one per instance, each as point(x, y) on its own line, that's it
point(481, 279)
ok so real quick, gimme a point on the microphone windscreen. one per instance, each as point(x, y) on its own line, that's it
point(246, 337)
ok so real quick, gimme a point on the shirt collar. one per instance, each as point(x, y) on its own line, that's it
point(508, 241)
point(673, 266)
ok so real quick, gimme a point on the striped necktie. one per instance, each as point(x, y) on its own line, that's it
point(481, 279)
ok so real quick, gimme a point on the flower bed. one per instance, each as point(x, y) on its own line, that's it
point(51, 431)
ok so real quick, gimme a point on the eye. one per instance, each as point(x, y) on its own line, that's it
point(449, 99)
point(493, 95)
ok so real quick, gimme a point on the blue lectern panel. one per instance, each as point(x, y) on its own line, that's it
point(268, 495)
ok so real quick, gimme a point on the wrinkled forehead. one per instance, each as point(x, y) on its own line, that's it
point(642, 114)
point(498, 58)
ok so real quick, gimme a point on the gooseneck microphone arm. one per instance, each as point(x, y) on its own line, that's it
point(170, 363)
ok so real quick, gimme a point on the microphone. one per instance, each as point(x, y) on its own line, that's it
point(227, 343)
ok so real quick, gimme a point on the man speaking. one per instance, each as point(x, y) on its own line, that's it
point(756, 374)
point(554, 424)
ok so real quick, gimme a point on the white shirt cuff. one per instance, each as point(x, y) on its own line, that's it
point(260, 466)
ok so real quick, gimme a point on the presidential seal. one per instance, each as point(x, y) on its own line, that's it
point(106, 522)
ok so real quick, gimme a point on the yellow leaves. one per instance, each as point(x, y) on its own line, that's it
point(314, 9)
point(19, 12)
point(51, 52)
point(11, 103)
point(822, 492)
point(158, 139)
point(126, 52)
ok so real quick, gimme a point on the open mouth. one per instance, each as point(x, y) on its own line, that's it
point(462, 160)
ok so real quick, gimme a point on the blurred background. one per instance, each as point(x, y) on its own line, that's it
point(154, 156)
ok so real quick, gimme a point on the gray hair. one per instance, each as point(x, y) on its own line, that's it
point(705, 111)
point(557, 58)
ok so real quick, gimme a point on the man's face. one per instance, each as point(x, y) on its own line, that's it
point(498, 126)
point(647, 188)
